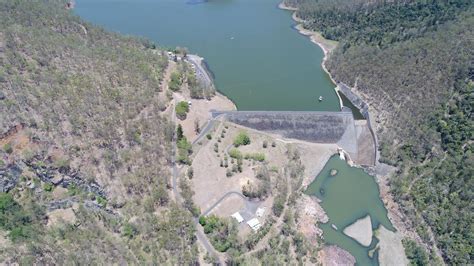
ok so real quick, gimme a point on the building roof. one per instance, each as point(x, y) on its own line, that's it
point(260, 212)
point(238, 217)
point(254, 224)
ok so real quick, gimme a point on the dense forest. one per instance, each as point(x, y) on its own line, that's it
point(84, 145)
point(413, 61)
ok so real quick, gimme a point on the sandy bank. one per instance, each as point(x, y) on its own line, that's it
point(361, 231)
point(391, 248)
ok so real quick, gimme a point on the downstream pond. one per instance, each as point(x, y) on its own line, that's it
point(347, 196)
point(261, 63)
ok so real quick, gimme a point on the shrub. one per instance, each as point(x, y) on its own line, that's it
point(255, 156)
point(48, 187)
point(416, 254)
point(202, 220)
point(102, 201)
point(129, 231)
point(175, 81)
point(235, 153)
point(208, 136)
point(8, 148)
point(182, 108)
point(179, 132)
point(184, 150)
point(241, 139)
point(265, 144)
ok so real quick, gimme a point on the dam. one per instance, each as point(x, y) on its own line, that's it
point(340, 128)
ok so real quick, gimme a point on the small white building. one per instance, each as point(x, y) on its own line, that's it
point(254, 224)
point(260, 212)
point(238, 217)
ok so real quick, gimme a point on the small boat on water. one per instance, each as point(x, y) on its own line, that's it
point(320, 98)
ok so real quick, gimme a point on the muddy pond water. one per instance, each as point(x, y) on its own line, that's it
point(347, 196)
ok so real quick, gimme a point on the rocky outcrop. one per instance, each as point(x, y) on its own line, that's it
point(9, 177)
point(65, 177)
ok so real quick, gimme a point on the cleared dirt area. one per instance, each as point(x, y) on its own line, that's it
point(229, 206)
point(314, 157)
point(210, 181)
point(199, 111)
point(391, 248)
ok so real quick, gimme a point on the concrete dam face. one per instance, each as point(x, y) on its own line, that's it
point(318, 127)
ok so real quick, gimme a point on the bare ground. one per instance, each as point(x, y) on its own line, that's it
point(200, 111)
point(61, 215)
point(335, 256)
point(391, 248)
point(309, 213)
point(210, 182)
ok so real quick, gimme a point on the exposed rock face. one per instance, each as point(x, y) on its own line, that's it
point(361, 231)
point(65, 177)
point(9, 176)
point(310, 213)
point(336, 256)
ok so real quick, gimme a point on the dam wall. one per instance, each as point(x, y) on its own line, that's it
point(364, 110)
point(317, 127)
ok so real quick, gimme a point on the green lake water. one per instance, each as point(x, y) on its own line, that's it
point(346, 197)
point(260, 62)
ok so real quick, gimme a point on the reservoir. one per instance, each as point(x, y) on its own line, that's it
point(260, 62)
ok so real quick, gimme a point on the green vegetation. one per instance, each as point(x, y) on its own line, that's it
point(184, 151)
point(175, 81)
point(221, 232)
point(413, 60)
point(8, 148)
point(48, 187)
point(235, 153)
point(16, 220)
point(179, 132)
point(414, 253)
point(182, 108)
point(241, 139)
point(257, 156)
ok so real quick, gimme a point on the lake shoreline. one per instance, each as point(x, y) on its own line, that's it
point(315, 37)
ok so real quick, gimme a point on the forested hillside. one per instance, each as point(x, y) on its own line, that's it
point(413, 61)
point(83, 144)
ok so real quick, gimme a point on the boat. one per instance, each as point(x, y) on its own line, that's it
point(320, 98)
